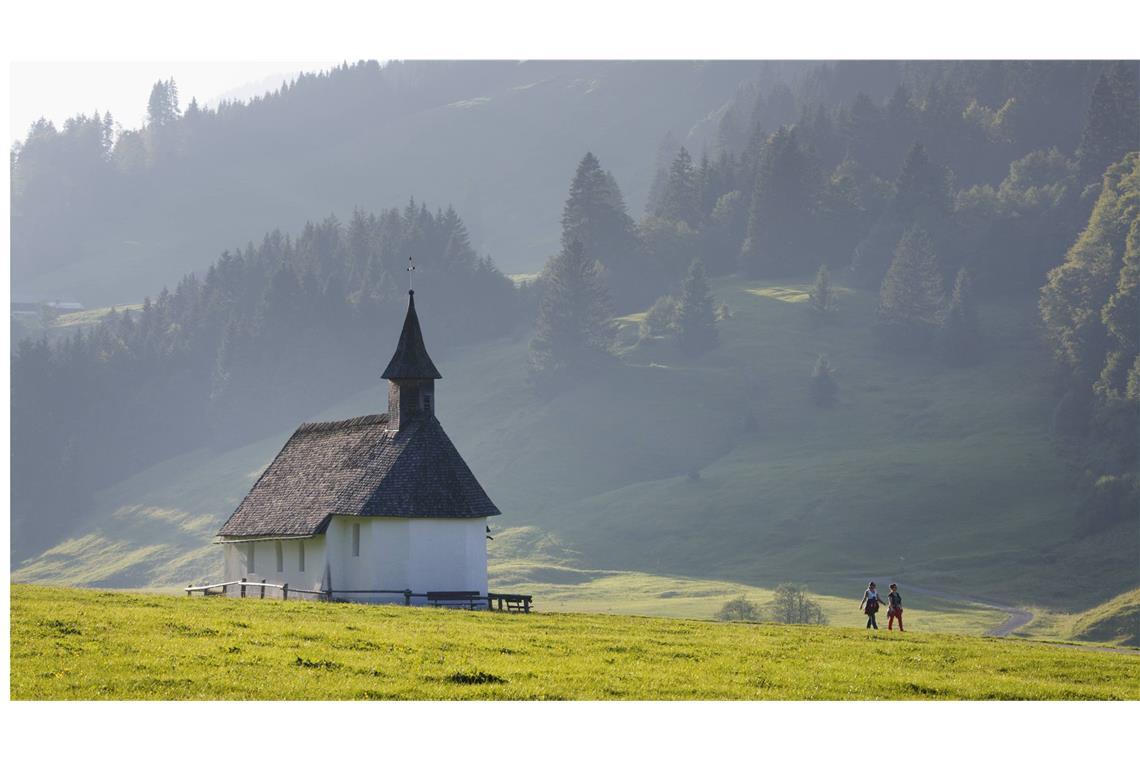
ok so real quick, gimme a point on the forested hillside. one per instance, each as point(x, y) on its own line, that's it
point(268, 335)
point(866, 293)
point(495, 139)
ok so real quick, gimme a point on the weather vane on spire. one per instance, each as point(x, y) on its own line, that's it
point(411, 273)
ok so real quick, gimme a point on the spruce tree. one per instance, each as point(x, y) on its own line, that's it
point(1113, 122)
point(696, 322)
point(574, 328)
point(910, 300)
point(821, 299)
point(960, 336)
point(922, 196)
point(780, 219)
point(595, 217)
point(665, 152)
point(681, 199)
point(823, 386)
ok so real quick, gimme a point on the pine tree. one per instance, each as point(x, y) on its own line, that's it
point(910, 300)
point(922, 196)
point(822, 299)
point(783, 204)
point(696, 322)
point(574, 328)
point(823, 386)
point(681, 199)
point(162, 107)
point(959, 335)
point(1113, 122)
point(665, 152)
point(595, 217)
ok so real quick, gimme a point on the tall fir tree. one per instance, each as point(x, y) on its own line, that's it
point(162, 107)
point(922, 196)
point(960, 336)
point(574, 329)
point(910, 299)
point(696, 322)
point(666, 150)
point(595, 217)
point(1112, 126)
point(783, 204)
point(681, 198)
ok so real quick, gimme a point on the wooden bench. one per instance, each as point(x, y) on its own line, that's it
point(514, 602)
point(468, 599)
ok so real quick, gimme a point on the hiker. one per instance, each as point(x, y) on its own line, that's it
point(894, 608)
point(870, 605)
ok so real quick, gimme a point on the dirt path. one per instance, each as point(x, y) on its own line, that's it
point(1018, 617)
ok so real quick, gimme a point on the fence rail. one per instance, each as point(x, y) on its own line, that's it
point(514, 602)
point(243, 584)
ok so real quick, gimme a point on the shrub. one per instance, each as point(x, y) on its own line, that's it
point(792, 606)
point(821, 299)
point(823, 386)
point(661, 319)
point(739, 609)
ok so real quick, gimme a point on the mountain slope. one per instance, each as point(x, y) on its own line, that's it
point(499, 140)
point(719, 467)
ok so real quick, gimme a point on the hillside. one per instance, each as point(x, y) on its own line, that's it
point(1117, 620)
point(495, 138)
point(718, 468)
point(69, 644)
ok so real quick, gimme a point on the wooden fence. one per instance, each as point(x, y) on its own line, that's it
point(513, 602)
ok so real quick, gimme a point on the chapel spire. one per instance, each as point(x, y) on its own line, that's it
point(411, 375)
point(411, 360)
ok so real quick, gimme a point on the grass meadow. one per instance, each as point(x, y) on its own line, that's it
point(85, 644)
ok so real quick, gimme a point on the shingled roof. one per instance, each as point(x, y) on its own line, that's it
point(359, 467)
point(411, 360)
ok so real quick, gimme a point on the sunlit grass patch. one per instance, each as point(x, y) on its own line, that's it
point(70, 644)
point(787, 295)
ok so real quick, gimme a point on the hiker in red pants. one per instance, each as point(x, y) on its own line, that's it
point(894, 608)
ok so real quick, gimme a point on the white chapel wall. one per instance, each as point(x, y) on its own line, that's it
point(264, 566)
point(448, 555)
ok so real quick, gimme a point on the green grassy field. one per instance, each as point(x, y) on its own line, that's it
point(715, 469)
point(81, 644)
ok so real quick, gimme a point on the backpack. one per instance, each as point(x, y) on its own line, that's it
point(872, 606)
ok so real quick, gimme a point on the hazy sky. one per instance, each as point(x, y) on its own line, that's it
point(59, 90)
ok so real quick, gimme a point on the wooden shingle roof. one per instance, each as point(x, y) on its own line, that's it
point(359, 467)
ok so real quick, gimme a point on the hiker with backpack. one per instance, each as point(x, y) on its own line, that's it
point(894, 608)
point(870, 605)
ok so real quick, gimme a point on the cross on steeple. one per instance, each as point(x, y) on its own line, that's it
point(411, 272)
